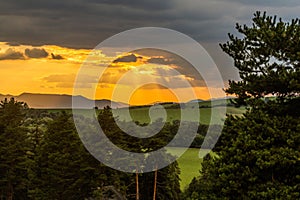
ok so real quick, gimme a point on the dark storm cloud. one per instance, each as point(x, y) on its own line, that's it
point(271, 3)
point(36, 53)
point(159, 60)
point(56, 57)
point(141, 4)
point(71, 23)
point(11, 54)
point(12, 44)
point(85, 23)
point(127, 58)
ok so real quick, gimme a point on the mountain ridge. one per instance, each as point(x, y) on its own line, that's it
point(62, 101)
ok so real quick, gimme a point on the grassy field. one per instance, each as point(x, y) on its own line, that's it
point(142, 114)
point(189, 164)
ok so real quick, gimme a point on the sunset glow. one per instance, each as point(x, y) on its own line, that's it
point(53, 70)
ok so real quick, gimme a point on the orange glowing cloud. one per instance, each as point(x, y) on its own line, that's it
point(54, 69)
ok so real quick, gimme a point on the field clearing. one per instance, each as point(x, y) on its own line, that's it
point(189, 164)
point(142, 114)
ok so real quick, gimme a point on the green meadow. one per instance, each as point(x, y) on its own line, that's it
point(141, 114)
point(189, 164)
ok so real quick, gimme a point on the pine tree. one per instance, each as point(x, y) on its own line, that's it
point(13, 151)
point(258, 155)
point(267, 57)
point(67, 170)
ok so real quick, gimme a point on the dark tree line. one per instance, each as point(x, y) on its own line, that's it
point(42, 157)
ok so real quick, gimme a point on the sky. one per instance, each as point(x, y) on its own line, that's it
point(43, 44)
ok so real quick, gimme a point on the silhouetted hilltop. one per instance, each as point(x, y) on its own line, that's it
point(62, 101)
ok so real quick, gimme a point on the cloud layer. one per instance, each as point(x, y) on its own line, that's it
point(85, 23)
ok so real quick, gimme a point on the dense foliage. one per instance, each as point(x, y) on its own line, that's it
point(13, 152)
point(168, 178)
point(257, 158)
point(42, 157)
point(258, 155)
point(267, 57)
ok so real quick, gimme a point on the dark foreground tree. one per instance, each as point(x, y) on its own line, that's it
point(258, 155)
point(258, 158)
point(13, 150)
point(267, 57)
point(65, 170)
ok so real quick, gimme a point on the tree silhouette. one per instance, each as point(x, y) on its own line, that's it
point(13, 151)
point(258, 154)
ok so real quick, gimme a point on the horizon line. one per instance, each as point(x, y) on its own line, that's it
point(152, 103)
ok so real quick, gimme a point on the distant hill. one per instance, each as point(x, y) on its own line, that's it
point(61, 101)
point(196, 101)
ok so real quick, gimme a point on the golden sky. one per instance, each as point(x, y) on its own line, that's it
point(139, 77)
